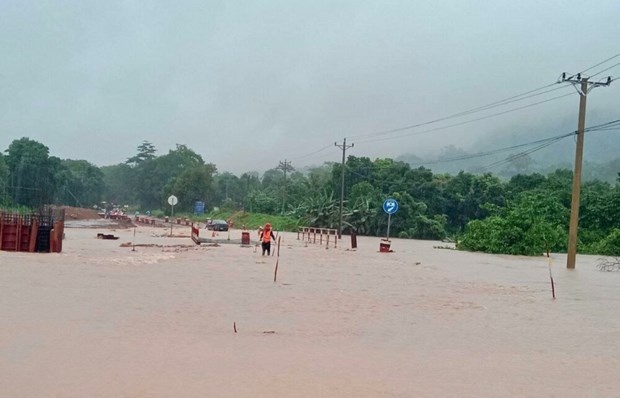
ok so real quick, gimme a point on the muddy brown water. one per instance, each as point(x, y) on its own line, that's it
point(100, 320)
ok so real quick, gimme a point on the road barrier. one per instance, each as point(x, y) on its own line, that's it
point(309, 235)
point(36, 232)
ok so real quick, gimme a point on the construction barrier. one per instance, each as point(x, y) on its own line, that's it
point(245, 238)
point(384, 246)
point(37, 232)
point(196, 234)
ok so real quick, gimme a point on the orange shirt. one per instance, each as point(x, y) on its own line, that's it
point(266, 236)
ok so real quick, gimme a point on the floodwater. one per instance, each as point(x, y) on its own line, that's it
point(100, 320)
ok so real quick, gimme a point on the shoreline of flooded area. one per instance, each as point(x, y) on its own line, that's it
point(102, 320)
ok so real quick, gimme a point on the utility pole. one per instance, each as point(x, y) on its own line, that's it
point(284, 166)
point(344, 148)
point(585, 86)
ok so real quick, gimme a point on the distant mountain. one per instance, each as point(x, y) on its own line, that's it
point(601, 152)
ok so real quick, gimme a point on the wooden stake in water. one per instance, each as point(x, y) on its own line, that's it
point(274, 252)
point(550, 274)
point(275, 272)
point(133, 243)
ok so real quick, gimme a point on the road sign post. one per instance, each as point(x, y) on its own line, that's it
point(390, 206)
point(172, 200)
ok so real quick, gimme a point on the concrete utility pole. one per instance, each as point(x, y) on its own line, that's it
point(584, 88)
point(284, 166)
point(344, 148)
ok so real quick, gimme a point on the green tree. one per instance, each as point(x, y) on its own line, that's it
point(521, 183)
point(80, 183)
point(263, 201)
point(228, 187)
point(465, 197)
point(319, 177)
point(404, 219)
point(31, 172)
point(361, 216)
point(120, 183)
point(193, 184)
point(320, 209)
point(146, 151)
point(4, 181)
point(525, 227)
point(248, 183)
point(610, 244)
point(363, 192)
point(298, 188)
point(155, 177)
point(272, 179)
point(433, 228)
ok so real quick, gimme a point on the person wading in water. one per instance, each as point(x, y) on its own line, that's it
point(265, 238)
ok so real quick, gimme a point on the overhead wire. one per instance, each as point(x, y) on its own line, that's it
point(542, 143)
point(311, 153)
point(505, 101)
point(606, 69)
point(466, 121)
point(515, 98)
point(518, 97)
point(520, 155)
point(494, 151)
point(600, 63)
point(601, 127)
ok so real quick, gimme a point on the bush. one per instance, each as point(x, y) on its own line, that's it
point(610, 245)
point(427, 228)
point(528, 227)
point(158, 213)
point(505, 236)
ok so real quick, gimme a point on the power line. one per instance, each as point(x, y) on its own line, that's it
point(553, 140)
point(549, 141)
point(600, 63)
point(607, 126)
point(495, 151)
point(467, 121)
point(606, 69)
point(518, 97)
point(543, 144)
point(312, 153)
point(505, 101)
point(602, 125)
point(522, 154)
point(515, 98)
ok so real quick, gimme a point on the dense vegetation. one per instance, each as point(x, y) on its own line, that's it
point(522, 215)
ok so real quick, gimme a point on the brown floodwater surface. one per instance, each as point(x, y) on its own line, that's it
point(100, 320)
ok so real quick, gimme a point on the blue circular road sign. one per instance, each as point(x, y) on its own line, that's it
point(390, 206)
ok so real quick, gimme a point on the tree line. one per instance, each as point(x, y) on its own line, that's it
point(522, 215)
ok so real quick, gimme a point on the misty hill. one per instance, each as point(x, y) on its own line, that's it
point(493, 152)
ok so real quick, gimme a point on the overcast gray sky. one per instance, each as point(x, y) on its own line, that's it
point(249, 83)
